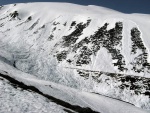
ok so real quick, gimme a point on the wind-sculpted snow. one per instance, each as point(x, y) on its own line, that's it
point(44, 38)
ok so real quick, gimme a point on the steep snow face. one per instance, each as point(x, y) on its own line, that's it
point(86, 47)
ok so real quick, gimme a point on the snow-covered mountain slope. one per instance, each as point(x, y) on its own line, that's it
point(24, 93)
point(88, 48)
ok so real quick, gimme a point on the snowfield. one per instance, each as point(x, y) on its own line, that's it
point(61, 57)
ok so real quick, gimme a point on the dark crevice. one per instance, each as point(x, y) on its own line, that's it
point(6, 60)
point(23, 86)
point(114, 98)
point(69, 111)
point(34, 24)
